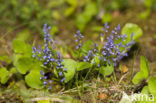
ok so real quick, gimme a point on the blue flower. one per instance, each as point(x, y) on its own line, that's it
point(50, 57)
point(111, 51)
point(60, 73)
point(62, 80)
point(50, 81)
point(45, 83)
point(42, 73)
point(50, 87)
point(78, 39)
point(65, 69)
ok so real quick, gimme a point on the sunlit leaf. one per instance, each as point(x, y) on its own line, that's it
point(23, 65)
point(6, 59)
point(143, 73)
point(33, 79)
point(105, 71)
point(83, 65)
point(152, 85)
point(130, 28)
point(4, 75)
point(71, 66)
point(107, 17)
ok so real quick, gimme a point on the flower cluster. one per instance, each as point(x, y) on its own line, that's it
point(105, 30)
point(114, 48)
point(45, 78)
point(78, 41)
point(91, 54)
point(50, 58)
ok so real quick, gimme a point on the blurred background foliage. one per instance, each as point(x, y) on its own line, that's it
point(34, 13)
point(24, 19)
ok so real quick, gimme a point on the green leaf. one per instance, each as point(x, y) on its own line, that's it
point(21, 47)
point(138, 78)
point(56, 15)
point(6, 59)
point(87, 46)
point(145, 96)
point(130, 28)
point(152, 85)
point(83, 65)
point(24, 64)
point(143, 73)
point(54, 30)
point(148, 3)
point(4, 75)
point(144, 67)
point(33, 79)
point(91, 9)
point(97, 28)
point(145, 90)
point(107, 17)
point(43, 101)
point(95, 60)
point(81, 21)
point(72, 2)
point(24, 35)
point(71, 69)
point(18, 46)
point(16, 57)
point(106, 71)
point(145, 14)
point(13, 70)
point(85, 17)
point(69, 11)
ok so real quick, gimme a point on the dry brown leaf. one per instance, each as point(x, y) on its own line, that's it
point(102, 96)
point(124, 69)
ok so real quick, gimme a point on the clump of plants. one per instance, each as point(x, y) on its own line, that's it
point(45, 67)
point(90, 58)
point(51, 59)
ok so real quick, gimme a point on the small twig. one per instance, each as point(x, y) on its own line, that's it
point(122, 78)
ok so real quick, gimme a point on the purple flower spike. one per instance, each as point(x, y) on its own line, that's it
point(50, 87)
point(78, 39)
point(42, 73)
point(62, 80)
